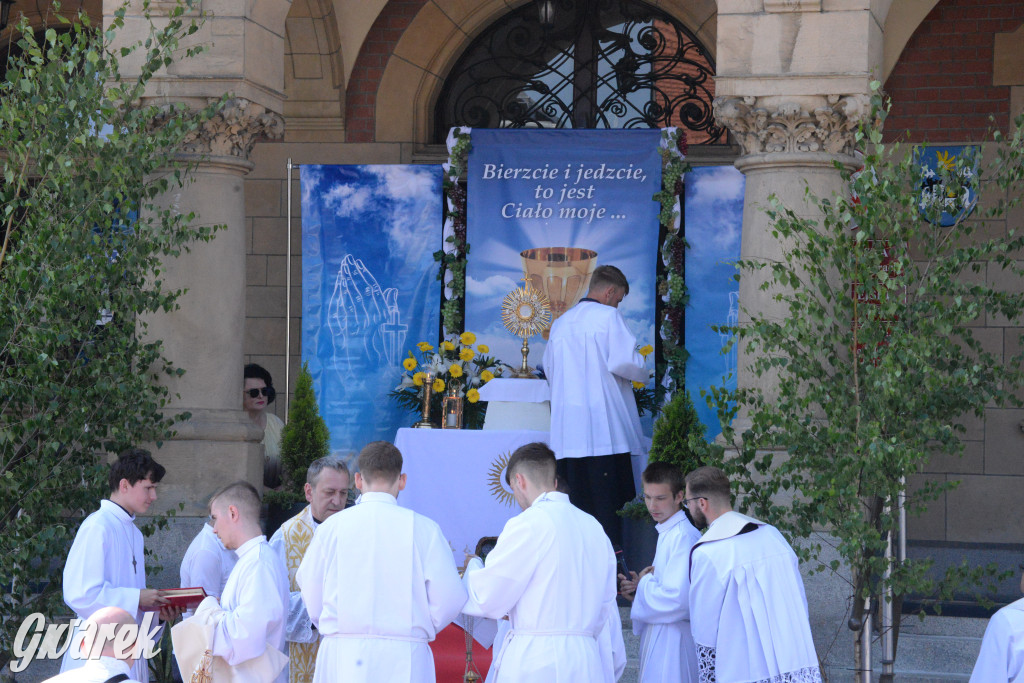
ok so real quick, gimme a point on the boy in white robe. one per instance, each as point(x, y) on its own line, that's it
point(590, 362)
point(553, 572)
point(106, 566)
point(109, 652)
point(255, 599)
point(326, 490)
point(207, 564)
point(379, 582)
point(1001, 659)
point(748, 609)
point(661, 593)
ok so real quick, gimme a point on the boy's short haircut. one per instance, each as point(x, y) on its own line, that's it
point(535, 461)
point(135, 464)
point(329, 462)
point(711, 483)
point(380, 461)
point(605, 276)
point(664, 473)
point(242, 495)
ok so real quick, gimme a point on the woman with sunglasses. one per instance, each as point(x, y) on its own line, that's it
point(257, 394)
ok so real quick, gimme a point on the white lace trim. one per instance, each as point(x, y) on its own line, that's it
point(706, 670)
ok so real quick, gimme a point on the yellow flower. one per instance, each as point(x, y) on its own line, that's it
point(486, 376)
point(418, 378)
point(467, 354)
point(438, 386)
point(646, 350)
point(467, 338)
point(455, 370)
point(424, 347)
point(472, 395)
point(483, 348)
point(638, 385)
point(409, 364)
point(447, 346)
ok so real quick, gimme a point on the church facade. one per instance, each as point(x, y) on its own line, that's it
point(379, 81)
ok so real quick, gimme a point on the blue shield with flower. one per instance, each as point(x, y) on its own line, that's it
point(949, 182)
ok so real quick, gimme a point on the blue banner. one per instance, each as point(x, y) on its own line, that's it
point(554, 204)
point(713, 222)
point(369, 290)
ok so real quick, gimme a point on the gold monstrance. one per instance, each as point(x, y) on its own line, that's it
point(525, 312)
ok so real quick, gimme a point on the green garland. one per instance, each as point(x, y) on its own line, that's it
point(453, 260)
point(670, 285)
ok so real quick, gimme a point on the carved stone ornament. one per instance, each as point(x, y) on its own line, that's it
point(234, 130)
point(790, 127)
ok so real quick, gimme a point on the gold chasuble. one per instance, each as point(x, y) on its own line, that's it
point(298, 533)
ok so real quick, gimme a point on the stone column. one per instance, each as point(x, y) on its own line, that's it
point(791, 146)
point(218, 444)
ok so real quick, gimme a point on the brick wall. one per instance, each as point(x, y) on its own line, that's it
point(942, 85)
point(361, 98)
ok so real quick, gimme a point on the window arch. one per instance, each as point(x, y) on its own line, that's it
point(583, 64)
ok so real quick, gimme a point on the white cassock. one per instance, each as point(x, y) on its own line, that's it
point(99, 573)
point(379, 582)
point(553, 572)
point(1001, 659)
point(748, 609)
point(661, 607)
point(207, 564)
point(590, 362)
point(97, 670)
point(255, 601)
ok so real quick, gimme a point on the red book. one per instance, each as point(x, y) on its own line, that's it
point(185, 598)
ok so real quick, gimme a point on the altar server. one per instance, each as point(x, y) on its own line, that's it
point(1001, 659)
point(379, 582)
point(553, 572)
point(255, 599)
point(106, 566)
point(207, 564)
point(661, 597)
point(590, 362)
point(326, 490)
point(748, 610)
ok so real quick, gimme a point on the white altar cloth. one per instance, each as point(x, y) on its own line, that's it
point(457, 478)
point(517, 390)
point(517, 404)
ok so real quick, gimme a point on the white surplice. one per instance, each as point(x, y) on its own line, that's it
point(748, 609)
point(553, 572)
point(299, 628)
point(207, 564)
point(1001, 659)
point(255, 600)
point(97, 670)
point(379, 582)
point(661, 607)
point(590, 362)
point(99, 573)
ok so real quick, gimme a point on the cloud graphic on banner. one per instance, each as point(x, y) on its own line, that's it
point(347, 200)
point(405, 188)
point(495, 285)
point(716, 195)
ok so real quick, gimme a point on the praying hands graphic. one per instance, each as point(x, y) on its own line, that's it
point(365, 323)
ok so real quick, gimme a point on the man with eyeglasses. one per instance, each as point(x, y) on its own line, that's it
point(748, 609)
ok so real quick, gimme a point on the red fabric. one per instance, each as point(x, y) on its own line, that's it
point(450, 655)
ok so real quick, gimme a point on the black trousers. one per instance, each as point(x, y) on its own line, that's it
point(600, 485)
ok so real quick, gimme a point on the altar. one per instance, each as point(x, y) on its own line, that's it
point(456, 477)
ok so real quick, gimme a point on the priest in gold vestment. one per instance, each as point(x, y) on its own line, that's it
point(326, 489)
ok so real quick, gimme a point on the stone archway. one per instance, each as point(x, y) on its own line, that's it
point(395, 103)
point(314, 73)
